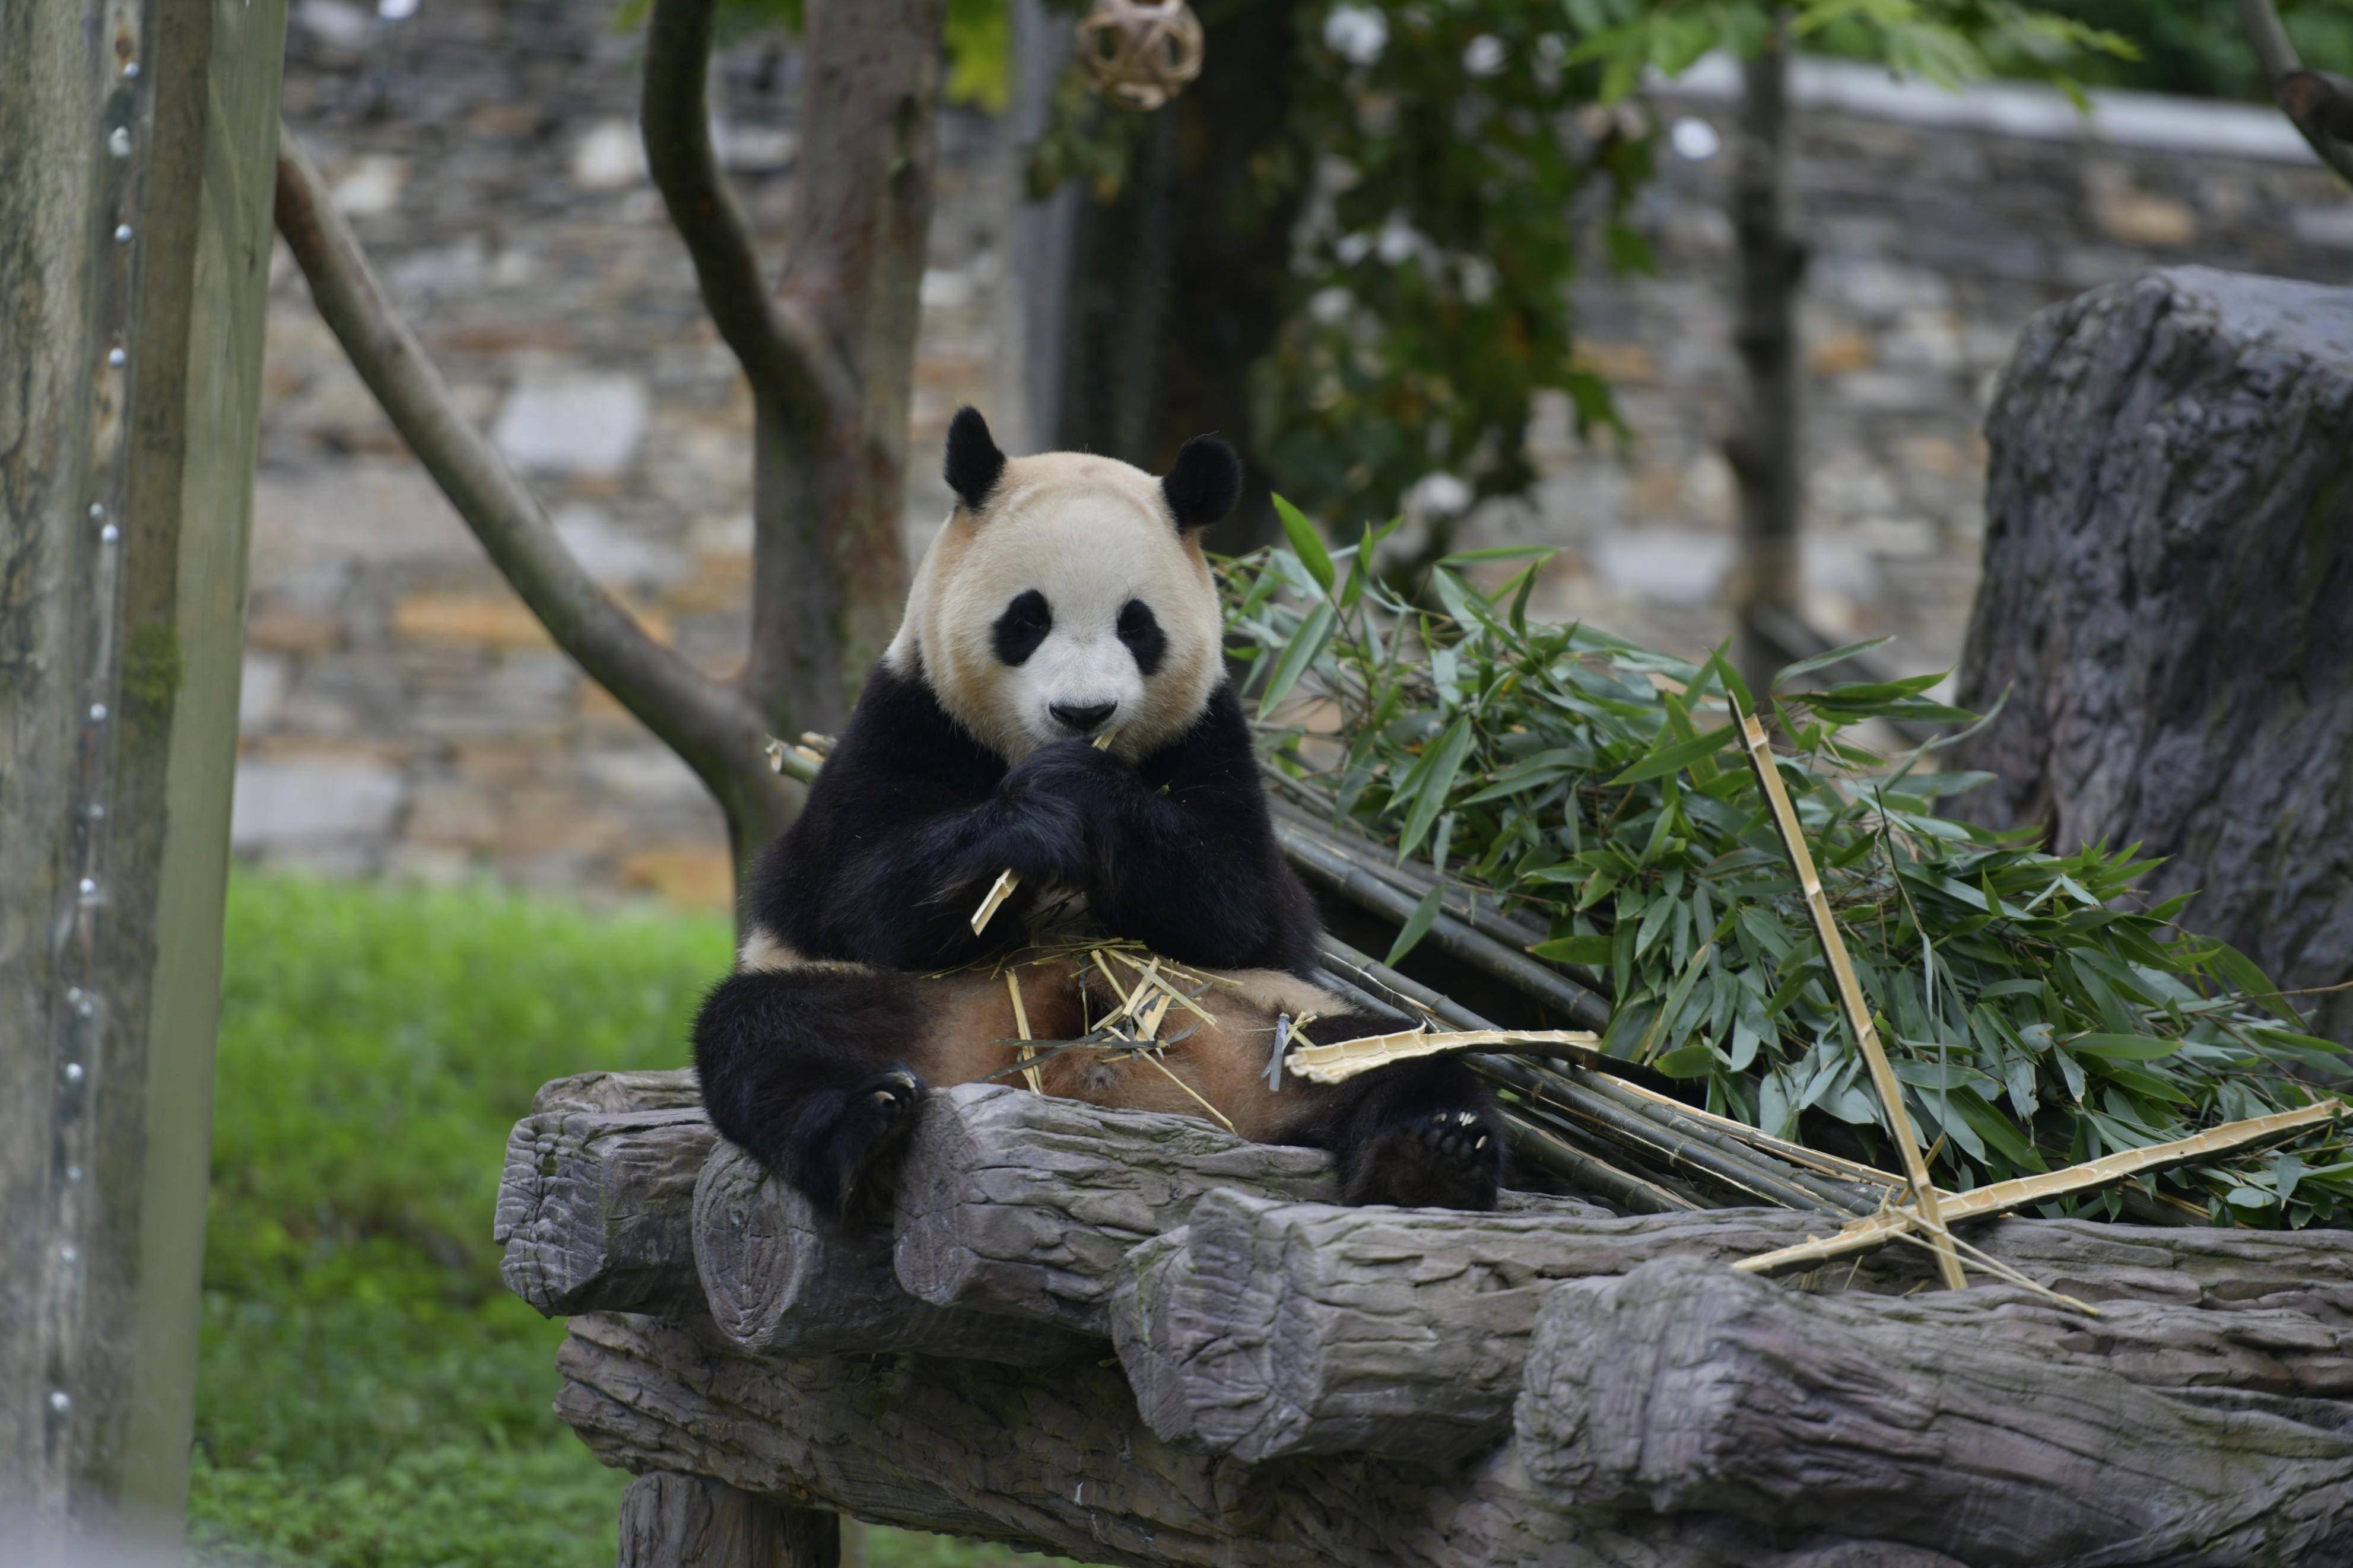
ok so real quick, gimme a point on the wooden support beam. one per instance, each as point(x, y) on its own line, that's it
point(673, 1520)
point(136, 139)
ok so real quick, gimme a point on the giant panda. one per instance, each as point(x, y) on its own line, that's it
point(1065, 600)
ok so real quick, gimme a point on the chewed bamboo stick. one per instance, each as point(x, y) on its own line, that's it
point(1010, 881)
point(2002, 1197)
point(1342, 1059)
point(1858, 1016)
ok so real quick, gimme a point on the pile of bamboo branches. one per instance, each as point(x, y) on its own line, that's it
point(1600, 1133)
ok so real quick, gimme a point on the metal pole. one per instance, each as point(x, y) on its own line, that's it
point(137, 143)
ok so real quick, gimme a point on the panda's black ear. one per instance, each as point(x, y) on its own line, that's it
point(974, 462)
point(1205, 484)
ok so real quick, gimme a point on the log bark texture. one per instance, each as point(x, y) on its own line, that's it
point(673, 1520)
point(1683, 1387)
point(593, 1210)
point(1013, 1201)
point(780, 1277)
point(2168, 601)
point(1054, 1459)
point(1263, 1328)
point(663, 1088)
point(1308, 1383)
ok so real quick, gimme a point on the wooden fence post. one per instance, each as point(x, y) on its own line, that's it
point(137, 140)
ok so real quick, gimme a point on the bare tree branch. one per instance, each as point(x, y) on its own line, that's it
point(716, 732)
point(2316, 104)
point(786, 356)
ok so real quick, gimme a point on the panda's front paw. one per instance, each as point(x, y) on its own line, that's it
point(1071, 771)
point(1450, 1158)
point(853, 1146)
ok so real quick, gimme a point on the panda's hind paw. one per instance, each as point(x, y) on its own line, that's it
point(850, 1160)
point(1449, 1158)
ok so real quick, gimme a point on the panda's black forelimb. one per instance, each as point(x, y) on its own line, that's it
point(1182, 852)
point(800, 1068)
point(904, 831)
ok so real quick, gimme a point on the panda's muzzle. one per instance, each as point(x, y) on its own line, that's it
point(1083, 718)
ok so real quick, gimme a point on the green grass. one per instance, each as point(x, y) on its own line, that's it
point(368, 1395)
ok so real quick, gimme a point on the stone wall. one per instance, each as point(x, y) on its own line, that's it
point(404, 715)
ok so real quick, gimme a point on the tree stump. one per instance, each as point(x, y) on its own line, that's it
point(2167, 602)
point(673, 1520)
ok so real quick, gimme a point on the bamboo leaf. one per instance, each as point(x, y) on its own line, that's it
point(1416, 925)
point(1299, 656)
point(1306, 543)
point(1672, 757)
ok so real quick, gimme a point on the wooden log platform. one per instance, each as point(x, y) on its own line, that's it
point(1133, 1339)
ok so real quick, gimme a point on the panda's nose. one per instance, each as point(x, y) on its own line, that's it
point(1083, 718)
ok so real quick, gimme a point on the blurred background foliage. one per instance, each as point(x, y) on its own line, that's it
point(1380, 194)
point(369, 1394)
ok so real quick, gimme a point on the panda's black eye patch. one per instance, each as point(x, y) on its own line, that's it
point(1139, 628)
point(1022, 627)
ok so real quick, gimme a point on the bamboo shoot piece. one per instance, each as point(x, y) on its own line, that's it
point(1343, 1059)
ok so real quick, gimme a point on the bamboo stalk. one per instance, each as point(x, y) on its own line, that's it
point(1458, 902)
point(1333, 869)
point(1673, 1114)
point(2002, 1197)
point(1680, 1152)
point(1643, 1129)
point(1028, 1053)
point(1866, 1178)
point(1591, 1174)
point(1858, 1016)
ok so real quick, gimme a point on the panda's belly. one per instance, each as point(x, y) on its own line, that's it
point(1214, 1068)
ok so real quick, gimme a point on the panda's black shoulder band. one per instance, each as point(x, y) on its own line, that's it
point(974, 463)
point(1205, 484)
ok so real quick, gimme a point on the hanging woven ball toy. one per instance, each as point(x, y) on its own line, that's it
point(1141, 52)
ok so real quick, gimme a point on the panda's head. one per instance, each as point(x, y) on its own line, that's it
point(1066, 596)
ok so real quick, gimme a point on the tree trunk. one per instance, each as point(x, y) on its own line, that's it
point(1763, 451)
point(1177, 286)
point(2167, 604)
point(134, 250)
point(829, 561)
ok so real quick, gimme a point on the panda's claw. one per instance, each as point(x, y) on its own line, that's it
point(1431, 1159)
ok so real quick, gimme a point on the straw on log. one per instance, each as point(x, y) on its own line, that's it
point(1686, 1388)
